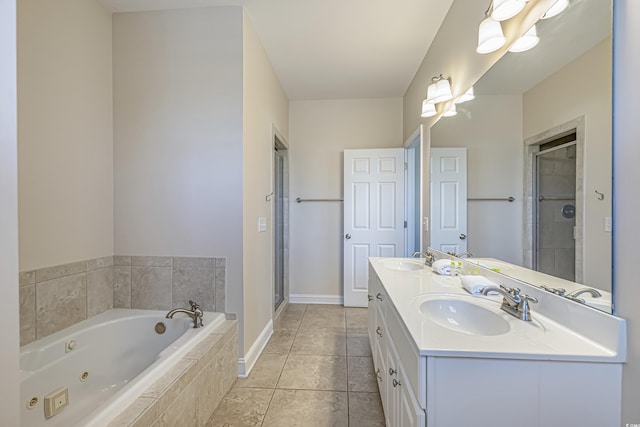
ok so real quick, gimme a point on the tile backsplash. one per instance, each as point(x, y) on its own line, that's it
point(54, 298)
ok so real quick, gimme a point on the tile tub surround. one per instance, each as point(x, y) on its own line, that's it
point(53, 298)
point(189, 393)
point(159, 283)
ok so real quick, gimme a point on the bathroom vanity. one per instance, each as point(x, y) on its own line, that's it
point(446, 358)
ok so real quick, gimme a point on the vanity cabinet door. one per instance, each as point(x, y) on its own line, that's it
point(402, 407)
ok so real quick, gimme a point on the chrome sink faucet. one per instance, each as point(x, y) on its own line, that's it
point(429, 258)
point(464, 255)
point(195, 313)
point(513, 303)
point(574, 295)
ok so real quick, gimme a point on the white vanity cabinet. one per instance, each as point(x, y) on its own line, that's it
point(428, 377)
point(395, 382)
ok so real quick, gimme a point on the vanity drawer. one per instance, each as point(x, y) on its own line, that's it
point(415, 366)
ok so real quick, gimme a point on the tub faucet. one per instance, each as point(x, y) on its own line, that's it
point(195, 313)
point(513, 303)
point(429, 258)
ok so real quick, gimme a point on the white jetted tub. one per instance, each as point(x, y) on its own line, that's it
point(105, 362)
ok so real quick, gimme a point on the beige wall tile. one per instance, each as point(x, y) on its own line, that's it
point(197, 284)
point(167, 388)
point(121, 287)
point(121, 260)
point(151, 288)
point(194, 262)
point(220, 290)
point(221, 262)
point(27, 314)
point(99, 291)
point(152, 261)
point(141, 413)
point(55, 272)
point(60, 303)
point(183, 411)
point(94, 264)
point(27, 278)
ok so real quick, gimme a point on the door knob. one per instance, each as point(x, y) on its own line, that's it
point(463, 236)
point(347, 236)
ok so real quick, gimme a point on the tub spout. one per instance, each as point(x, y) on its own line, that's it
point(195, 313)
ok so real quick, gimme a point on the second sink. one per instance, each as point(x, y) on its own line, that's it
point(464, 316)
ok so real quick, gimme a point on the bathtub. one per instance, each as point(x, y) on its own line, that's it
point(106, 362)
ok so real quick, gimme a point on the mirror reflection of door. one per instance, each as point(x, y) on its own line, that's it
point(555, 208)
point(449, 199)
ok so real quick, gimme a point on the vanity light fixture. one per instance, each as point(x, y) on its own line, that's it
point(439, 90)
point(451, 111)
point(506, 9)
point(556, 9)
point(490, 35)
point(467, 96)
point(526, 42)
point(428, 109)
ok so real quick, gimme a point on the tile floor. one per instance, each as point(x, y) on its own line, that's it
point(315, 371)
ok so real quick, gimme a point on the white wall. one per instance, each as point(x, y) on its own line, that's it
point(319, 133)
point(490, 126)
point(265, 104)
point(9, 369)
point(65, 127)
point(178, 137)
point(583, 88)
point(626, 152)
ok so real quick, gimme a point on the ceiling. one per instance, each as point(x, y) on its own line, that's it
point(333, 49)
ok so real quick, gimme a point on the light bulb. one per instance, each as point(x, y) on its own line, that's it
point(443, 90)
point(451, 111)
point(467, 96)
point(428, 109)
point(490, 36)
point(526, 42)
point(505, 9)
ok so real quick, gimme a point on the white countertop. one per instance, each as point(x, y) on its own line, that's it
point(541, 339)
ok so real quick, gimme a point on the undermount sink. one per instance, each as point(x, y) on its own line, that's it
point(402, 265)
point(464, 316)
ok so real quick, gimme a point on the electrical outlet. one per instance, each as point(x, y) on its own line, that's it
point(56, 401)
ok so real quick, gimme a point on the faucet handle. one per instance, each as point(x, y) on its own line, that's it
point(526, 297)
point(194, 305)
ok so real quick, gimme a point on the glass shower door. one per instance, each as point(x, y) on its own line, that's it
point(555, 211)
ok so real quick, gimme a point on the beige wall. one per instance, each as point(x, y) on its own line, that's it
point(9, 370)
point(626, 152)
point(583, 88)
point(490, 127)
point(319, 132)
point(264, 105)
point(65, 127)
point(178, 137)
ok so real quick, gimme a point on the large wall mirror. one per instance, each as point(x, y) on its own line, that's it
point(539, 131)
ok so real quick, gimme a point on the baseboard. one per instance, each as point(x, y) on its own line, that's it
point(316, 299)
point(246, 363)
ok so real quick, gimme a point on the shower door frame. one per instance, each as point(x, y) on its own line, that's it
point(532, 147)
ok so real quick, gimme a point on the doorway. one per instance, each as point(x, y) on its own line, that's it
point(555, 208)
point(280, 219)
point(554, 201)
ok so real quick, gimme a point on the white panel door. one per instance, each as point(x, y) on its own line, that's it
point(449, 199)
point(373, 215)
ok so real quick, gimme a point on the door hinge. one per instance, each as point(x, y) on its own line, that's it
point(405, 224)
point(406, 166)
